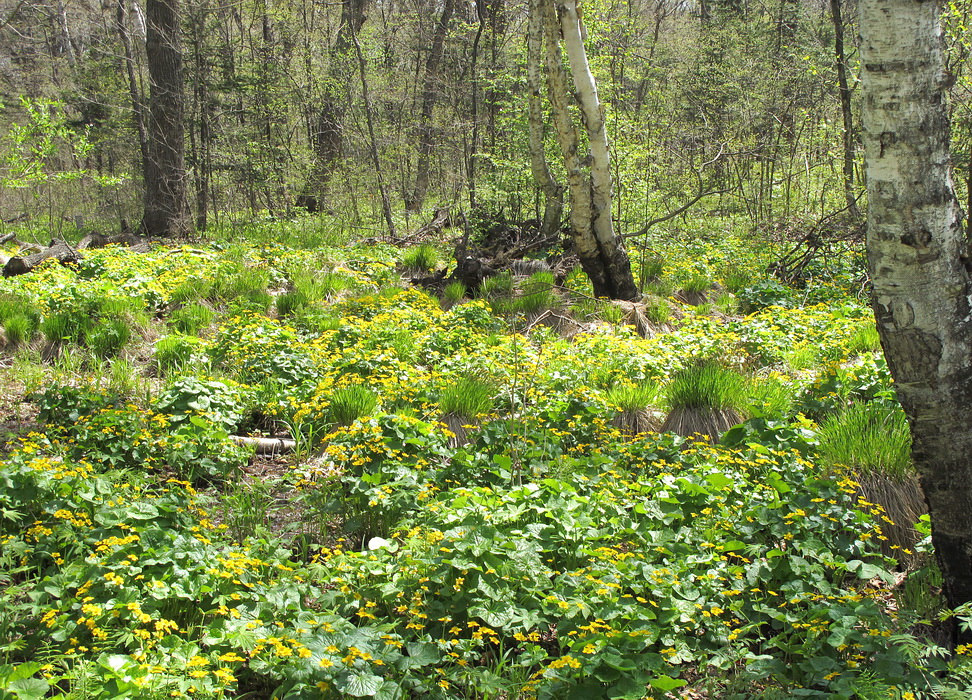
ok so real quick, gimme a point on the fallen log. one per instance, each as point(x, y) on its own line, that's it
point(266, 446)
point(61, 251)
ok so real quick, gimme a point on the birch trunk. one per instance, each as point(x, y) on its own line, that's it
point(613, 255)
point(918, 261)
point(600, 251)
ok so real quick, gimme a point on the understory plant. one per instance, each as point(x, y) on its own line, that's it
point(706, 398)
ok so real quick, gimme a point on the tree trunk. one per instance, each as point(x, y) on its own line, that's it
point(134, 87)
point(166, 205)
point(553, 191)
point(612, 253)
point(426, 131)
point(329, 130)
point(601, 252)
point(845, 108)
point(919, 264)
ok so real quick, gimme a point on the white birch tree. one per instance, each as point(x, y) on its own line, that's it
point(600, 249)
point(919, 264)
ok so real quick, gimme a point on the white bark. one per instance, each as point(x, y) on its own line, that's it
point(918, 259)
point(601, 252)
point(593, 113)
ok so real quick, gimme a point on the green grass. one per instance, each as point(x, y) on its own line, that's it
point(421, 258)
point(707, 385)
point(537, 293)
point(19, 329)
point(289, 303)
point(696, 284)
point(468, 397)
point(108, 338)
point(351, 403)
point(865, 339)
point(633, 397)
point(658, 310)
point(869, 438)
point(192, 318)
point(174, 353)
point(454, 292)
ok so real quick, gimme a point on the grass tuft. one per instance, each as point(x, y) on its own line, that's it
point(351, 403)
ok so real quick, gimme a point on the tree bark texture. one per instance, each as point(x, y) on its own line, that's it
point(166, 202)
point(599, 249)
point(919, 264)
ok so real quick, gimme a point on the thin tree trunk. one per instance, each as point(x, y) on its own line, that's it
point(918, 258)
point(372, 142)
point(134, 89)
point(474, 88)
point(553, 192)
point(845, 108)
point(426, 133)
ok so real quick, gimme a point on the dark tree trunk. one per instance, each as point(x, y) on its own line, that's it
point(166, 204)
point(845, 107)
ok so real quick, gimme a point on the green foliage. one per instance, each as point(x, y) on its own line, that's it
point(213, 400)
point(707, 384)
point(454, 292)
point(657, 310)
point(392, 558)
point(420, 259)
point(351, 403)
point(19, 329)
point(108, 337)
point(468, 397)
point(192, 318)
point(537, 293)
point(868, 439)
point(633, 397)
point(176, 352)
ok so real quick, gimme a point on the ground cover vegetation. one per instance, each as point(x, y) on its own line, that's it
point(497, 485)
point(477, 506)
